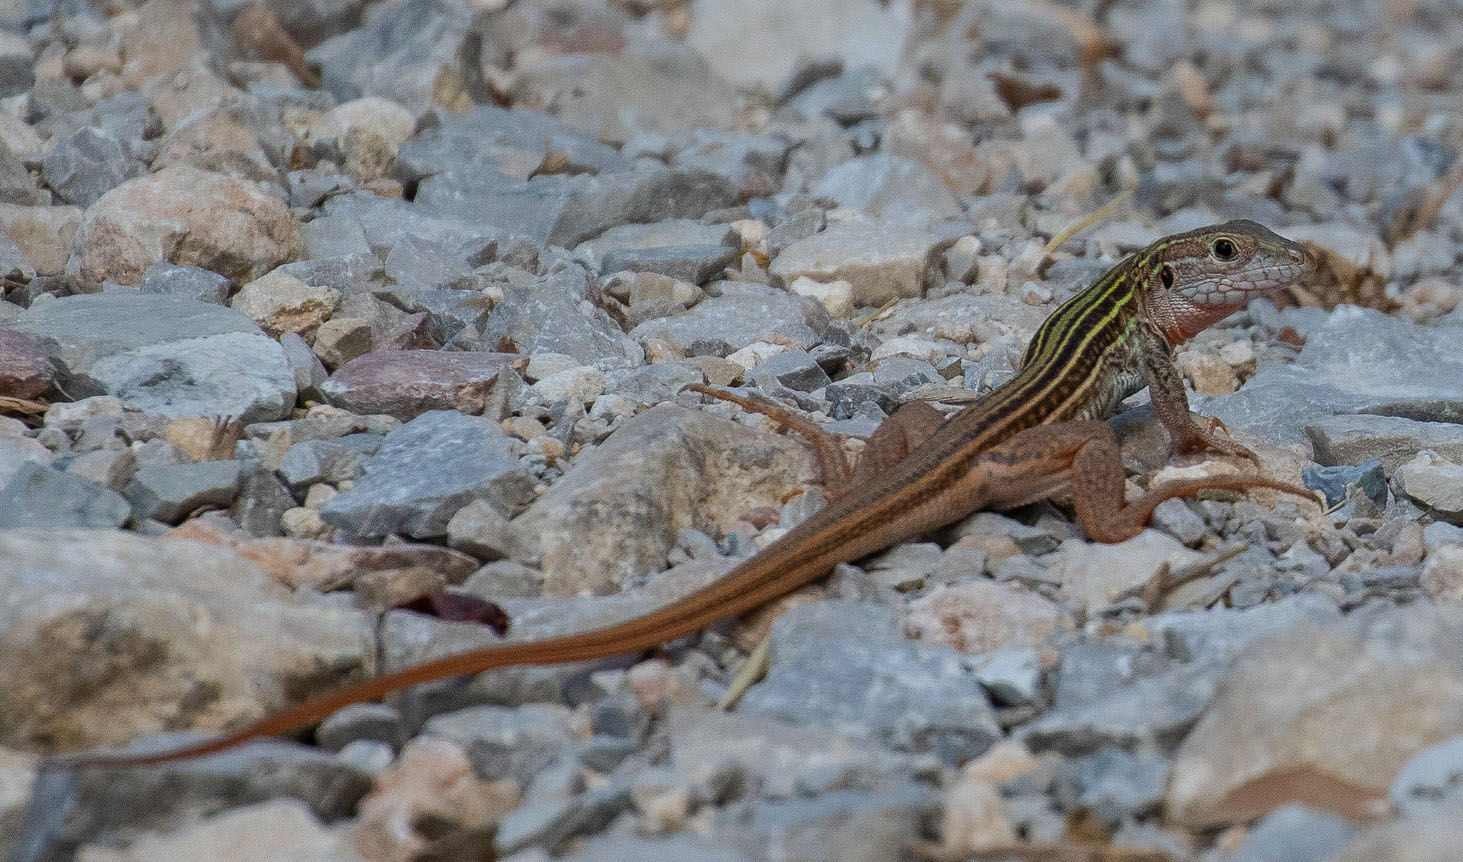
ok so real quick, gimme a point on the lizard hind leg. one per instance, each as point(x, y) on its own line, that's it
point(909, 426)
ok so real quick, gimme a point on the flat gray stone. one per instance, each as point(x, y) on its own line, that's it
point(1432, 780)
point(744, 313)
point(86, 165)
point(1393, 440)
point(513, 141)
point(1149, 711)
point(901, 191)
point(190, 282)
point(1294, 833)
point(693, 263)
point(428, 469)
point(547, 317)
point(38, 496)
point(170, 492)
point(163, 354)
point(1358, 361)
point(829, 667)
point(508, 743)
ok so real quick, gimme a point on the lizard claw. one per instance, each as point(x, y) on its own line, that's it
point(1205, 440)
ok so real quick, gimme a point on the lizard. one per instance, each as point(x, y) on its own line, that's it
point(1038, 434)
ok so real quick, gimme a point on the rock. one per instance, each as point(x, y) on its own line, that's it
point(283, 788)
point(615, 97)
point(836, 296)
point(166, 355)
point(1093, 574)
point(42, 234)
point(415, 58)
point(615, 514)
point(185, 216)
point(1392, 440)
point(582, 384)
point(774, 759)
point(296, 563)
point(828, 670)
point(381, 117)
point(1222, 632)
point(281, 303)
point(1335, 482)
point(974, 819)
point(376, 722)
point(1117, 785)
point(16, 185)
point(1429, 783)
point(171, 492)
point(611, 847)
point(1433, 482)
point(311, 462)
point(86, 165)
point(901, 191)
point(742, 315)
point(183, 635)
point(189, 282)
point(16, 64)
point(38, 496)
point(981, 616)
point(845, 826)
point(272, 831)
point(795, 369)
point(408, 383)
point(692, 263)
point(1357, 361)
point(758, 45)
point(511, 141)
point(881, 263)
point(1324, 715)
point(25, 372)
point(1420, 839)
point(546, 317)
point(429, 791)
point(509, 743)
point(483, 531)
point(1294, 833)
point(425, 471)
point(753, 164)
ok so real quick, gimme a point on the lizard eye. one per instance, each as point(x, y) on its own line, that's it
point(1223, 249)
point(1166, 274)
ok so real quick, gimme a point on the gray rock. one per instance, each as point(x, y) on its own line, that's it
point(828, 669)
point(403, 56)
point(677, 848)
point(38, 496)
point(567, 210)
point(513, 142)
point(375, 722)
point(1012, 675)
point(261, 502)
point(882, 262)
point(1294, 833)
point(664, 87)
point(384, 222)
point(483, 531)
point(16, 185)
point(1358, 361)
point(711, 751)
point(1118, 785)
point(422, 263)
point(1222, 632)
point(552, 823)
point(425, 471)
point(693, 263)
point(329, 237)
point(744, 313)
point(70, 808)
point(168, 355)
point(671, 232)
point(1334, 482)
point(857, 395)
point(546, 317)
point(190, 282)
point(795, 369)
point(1355, 439)
point(1152, 711)
point(14, 265)
point(331, 461)
point(901, 191)
point(1431, 781)
point(170, 492)
point(16, 64)
point(1434, 483)
point(753, 164)
point(844, 826)
point(1178, 520)
point(86, 165)
point(651, 384)
point(508, 743)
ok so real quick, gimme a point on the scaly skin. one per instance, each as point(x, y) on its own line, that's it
point(1034, 436)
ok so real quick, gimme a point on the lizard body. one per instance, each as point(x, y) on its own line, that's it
point(1033, 436)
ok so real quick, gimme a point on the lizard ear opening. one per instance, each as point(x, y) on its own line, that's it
point(1166, 275)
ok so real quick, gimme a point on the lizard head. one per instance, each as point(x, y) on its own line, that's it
point(1198, 278)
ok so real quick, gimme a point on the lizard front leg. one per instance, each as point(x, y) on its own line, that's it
point(1189, 431)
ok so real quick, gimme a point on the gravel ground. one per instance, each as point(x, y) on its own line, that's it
point(313, 308)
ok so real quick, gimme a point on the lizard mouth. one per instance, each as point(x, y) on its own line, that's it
point(1238, 288)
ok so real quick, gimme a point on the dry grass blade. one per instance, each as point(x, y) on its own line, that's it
point(1098, 215)
point(1061, 852)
